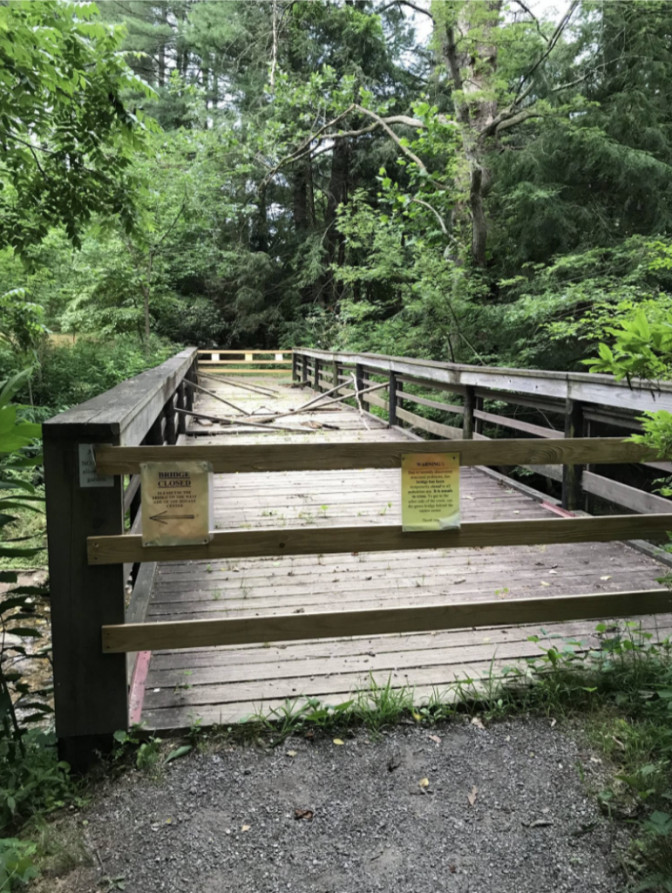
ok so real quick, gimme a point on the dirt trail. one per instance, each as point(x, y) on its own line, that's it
point(458, 808)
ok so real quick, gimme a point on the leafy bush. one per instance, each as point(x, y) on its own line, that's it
point(32, 780)
point(70, 375)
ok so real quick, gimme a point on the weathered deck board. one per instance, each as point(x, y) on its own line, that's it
point(226, 684)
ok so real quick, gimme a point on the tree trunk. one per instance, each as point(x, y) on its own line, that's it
point(337, 194)
point(471, 59)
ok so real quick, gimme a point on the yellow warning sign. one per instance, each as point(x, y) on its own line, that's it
point(176, 503)
point(430, 491)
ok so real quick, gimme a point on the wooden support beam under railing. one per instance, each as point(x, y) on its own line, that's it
point(383, 621)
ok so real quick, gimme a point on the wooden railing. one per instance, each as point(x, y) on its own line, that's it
point(466, 401)
point(113, 550)
point(91, 688)
point(246, 361)
point(92, 548)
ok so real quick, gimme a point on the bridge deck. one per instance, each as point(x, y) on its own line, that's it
point(226, 684)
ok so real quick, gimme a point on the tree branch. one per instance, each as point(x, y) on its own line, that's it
point(533, 17)
point(406, 3)
point(325, 133)
point(420, 201)
point(555, 37)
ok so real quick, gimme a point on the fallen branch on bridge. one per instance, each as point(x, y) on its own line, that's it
point(314, 406)
point(236, 421)
point(359, 402)
point(267, 392)
point(215, 396)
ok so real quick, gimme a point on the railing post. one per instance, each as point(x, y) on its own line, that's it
point(335, 373)
point(192, 375)
point(169, 414)
point(180, 403)
point(304, 370)
point(90, 688)
point(392, 392)
point(316, 373)
point(295, 366)
point(478, 423)
point(359, 376)
point(468, 417)
point(571, 474)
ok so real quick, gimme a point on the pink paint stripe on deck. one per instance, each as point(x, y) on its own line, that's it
point(557, 510)
point(137, 695)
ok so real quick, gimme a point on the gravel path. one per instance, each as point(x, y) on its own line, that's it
point(459, 808)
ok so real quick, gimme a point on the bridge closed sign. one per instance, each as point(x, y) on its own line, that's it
point(177, 504)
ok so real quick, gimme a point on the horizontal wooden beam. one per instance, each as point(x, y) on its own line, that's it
point(235, 370)
point(241, 362)
point(320, 456)
point(242, 350)
point(519, 425)
point(327, 540)
point(583, 386)
point(290, 627)
point(437, 428)
point(623, 494)
point(423, 401)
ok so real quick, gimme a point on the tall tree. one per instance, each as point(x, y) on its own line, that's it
point(67, 139)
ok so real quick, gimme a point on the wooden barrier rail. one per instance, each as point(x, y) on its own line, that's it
point(290, 627)
point(325, 456)
point(300, 541)
point(105, 550)
point(246, 361)
point(557, 405)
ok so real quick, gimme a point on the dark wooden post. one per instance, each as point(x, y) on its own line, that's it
point(468, 417)
point(571, 474)
point(359, 376)
point(180, 403)
point(192, 375)
point(392, 391)
point(304, 370)
point(295, 366)
point(169, 415)
point(335, 372)
point(478, 423)
point(316, 374)
point(90, 688)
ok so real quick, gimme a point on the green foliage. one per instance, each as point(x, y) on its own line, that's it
point(21, 322)
point(16, 863)
point(67, 138)
point(73, 374)
point(641, 348)
point(146, 750)
point(32, 780)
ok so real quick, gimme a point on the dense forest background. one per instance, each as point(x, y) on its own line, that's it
point(465, 181)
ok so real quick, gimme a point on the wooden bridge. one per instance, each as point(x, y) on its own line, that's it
point(308, 586)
